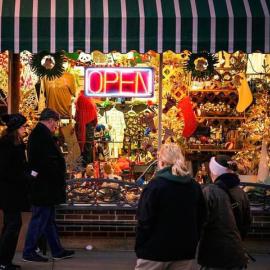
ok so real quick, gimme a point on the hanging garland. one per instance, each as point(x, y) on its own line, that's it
point(49, 65)
point(201, 65)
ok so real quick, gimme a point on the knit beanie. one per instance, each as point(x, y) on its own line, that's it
point(221, 164)
point(13, 121)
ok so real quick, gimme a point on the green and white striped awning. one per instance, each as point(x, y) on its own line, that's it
point(141, 25)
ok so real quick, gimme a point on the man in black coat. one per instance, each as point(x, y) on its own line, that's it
point(47, 188)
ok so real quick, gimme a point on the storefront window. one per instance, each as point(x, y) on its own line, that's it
point(102, 137)
point(207, 111)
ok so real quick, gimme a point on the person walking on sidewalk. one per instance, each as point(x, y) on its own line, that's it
point(48, 169)
point(13, 186)
point(170, 215)
point(228, 219)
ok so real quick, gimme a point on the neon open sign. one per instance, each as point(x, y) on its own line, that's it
point(119, 82)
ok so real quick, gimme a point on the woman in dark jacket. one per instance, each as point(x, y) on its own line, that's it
point(13, 186)
point(228, 219)
point(170, 215)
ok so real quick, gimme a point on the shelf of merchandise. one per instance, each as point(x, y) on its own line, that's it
point(223, 68)
point(222, 117)
point(242, 117)
point(213, 90)
point(212, 150)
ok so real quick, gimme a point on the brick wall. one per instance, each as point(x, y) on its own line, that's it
point(95, 222)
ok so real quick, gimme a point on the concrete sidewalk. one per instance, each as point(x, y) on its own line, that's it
point(117, 260)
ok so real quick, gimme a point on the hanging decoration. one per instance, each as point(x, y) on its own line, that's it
point(73, 56)
point(48, 65)
point(244, 93)
point(4, 72)
point(25, 57)
point(169, 104)
point(28, 80)
point(188, 115)
point(238, 62)
point(201, 65)
point(85, 58)
point(105, 103)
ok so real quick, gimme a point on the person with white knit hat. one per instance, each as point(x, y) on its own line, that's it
point(228, 219)
point(221, 164)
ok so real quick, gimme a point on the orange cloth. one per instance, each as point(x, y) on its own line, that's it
point(123, 163)
point(117, 170)
point(59, 92)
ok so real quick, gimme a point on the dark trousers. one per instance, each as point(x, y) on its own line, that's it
point(42, 223)
point(9, 236)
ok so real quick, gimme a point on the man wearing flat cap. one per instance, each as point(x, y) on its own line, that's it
point(48, 169)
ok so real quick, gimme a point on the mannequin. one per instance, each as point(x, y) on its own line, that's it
point(58, 94)
point(86, 120)
point(116, 120)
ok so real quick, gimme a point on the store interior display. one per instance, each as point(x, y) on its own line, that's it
point(3, 102)
point(203, 175)
point(255, 130)
point(222, 104)
point(210, 104)
point(3, 82)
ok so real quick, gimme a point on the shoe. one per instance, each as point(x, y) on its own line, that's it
point(7, 267)
point(65, 254)
point(35, 258)
point(18, 267)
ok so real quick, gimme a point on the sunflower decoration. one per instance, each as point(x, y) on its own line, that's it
point(49, 65)
point(201, 65)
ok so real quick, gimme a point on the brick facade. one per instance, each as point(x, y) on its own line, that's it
point(109, 222)
point(96, 223)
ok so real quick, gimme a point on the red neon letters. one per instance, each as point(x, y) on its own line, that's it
point(119, 82)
